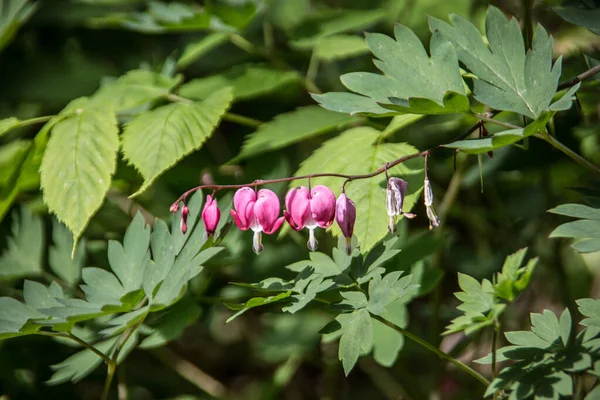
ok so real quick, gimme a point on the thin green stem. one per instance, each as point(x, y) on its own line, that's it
point(435, 350)
point(494, 355)
point(239, 119)
point(30, 121)
point(242, 120)
point(574, 156)
point(112, 368)
point(82, 342)
point(252, 48)
point(313, 67)
point(528, 22)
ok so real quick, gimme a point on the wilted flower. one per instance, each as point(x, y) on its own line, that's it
point(211, 215)
point(310, 209)
point(394, 200)
point(433, 218)
point(345, 215)
point(185, 211)
point(256, 211)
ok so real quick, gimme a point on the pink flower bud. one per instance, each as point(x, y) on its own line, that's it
point(185, 211)
point(211, 215)
point(256, 211)
point(345, 215)
point(310, 209)
point(174, 207)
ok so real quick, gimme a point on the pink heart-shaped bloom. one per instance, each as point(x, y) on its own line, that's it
point(211, 215)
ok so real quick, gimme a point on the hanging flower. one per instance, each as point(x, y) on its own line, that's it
point(258, 212)
point(185, 212)
point(394, 200)
point(211, 215)
point(345, 215)
point(310, 209)
point(428, 196)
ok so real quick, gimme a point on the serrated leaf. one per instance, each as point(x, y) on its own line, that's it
point(357, 339)
point(14, 317)
point(129, 260)
point(413, 82)
point(486, 144)
point(584, 228)
point(388, 342)
point(197, 49)
point(388, 289)
point(80, 364)
point(255, 302)
point(124, 321)
point(355, 152)
point(590, 308)
point(351, 103)
point(59, 255)
point(507, 78)
point(582, 16)
point(289, 128)
point(154, 141)
point(78, 164)
point(23, 256)
point(356, 300)
point(13, 14)
point(330, 22)
point(247, 81)
point(546, 326)
point(134, 89)
point(307, 291)
point(576, 211)
point(566, 101)
point(38, 296)
point(8, 124)
point(336, 47)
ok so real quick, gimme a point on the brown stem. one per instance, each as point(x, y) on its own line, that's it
point(581, 77)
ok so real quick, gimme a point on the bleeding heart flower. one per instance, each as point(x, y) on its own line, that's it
point(185, 211)
point(394, 201)
point(256, 211)
point(310, 209)
point(345, 215)
point(211, 215)
point(433, 218)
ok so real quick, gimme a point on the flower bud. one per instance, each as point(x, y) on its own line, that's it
point(345, 215)
point(428, 193)
point(211, 215)
point(185, 211)
point(174, 207)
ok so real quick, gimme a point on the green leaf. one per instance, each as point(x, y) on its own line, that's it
point(12, 156)
point(307, 289)
point(386, 290)
point(289, 128)
point(576, 211)
point(388, 342)
point(80, 364)
point(413, 82)
point(592, 62)
point(590, 308)
point(37, 296)
point(357, 338)
point(584, 228)
point(124, 321)
point(330, 22)
point(172, 323)
point(485, 144)
point(547, 326)
point(255, 302)
point(351, 103)
point(247, 81)
point(565, 102)
point(154, 141)
point(197, 49)
point(23, 256)
point(14, 317)
point(594, 394)
point(59, 256)
point(507, 78)
point(8, 124)
point(582, 16)
point(337, 47)
point(134, 89)
point(355, 151)
point(13, 14)
point(513, 279)
point(129, 260)
point(78, 164)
